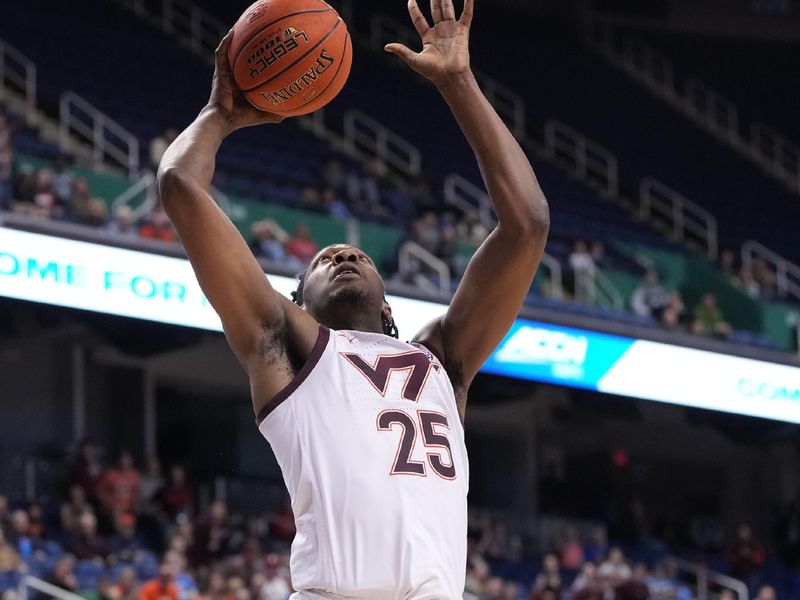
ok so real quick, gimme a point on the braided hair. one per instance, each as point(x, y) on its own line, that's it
point(389, 326)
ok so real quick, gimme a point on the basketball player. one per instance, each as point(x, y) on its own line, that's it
point(367, 429)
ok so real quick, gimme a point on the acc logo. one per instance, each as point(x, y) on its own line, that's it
point(535, 345)
point(256, 12)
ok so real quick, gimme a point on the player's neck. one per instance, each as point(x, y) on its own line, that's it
point(353, 322)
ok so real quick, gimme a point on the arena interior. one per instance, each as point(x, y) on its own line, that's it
point(634, 436)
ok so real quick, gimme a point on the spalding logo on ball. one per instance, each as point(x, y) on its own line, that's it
point(290, 57)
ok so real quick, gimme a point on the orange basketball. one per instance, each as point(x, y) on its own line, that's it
point(290, 57)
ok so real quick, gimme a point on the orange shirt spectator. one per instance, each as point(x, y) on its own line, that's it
point(161, 588)
point(119, 487)
point(157, 226)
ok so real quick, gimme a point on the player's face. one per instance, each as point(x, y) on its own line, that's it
point(342, 271)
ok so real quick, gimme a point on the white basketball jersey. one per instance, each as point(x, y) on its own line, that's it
point(372, 450)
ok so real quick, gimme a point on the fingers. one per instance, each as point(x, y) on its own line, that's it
point(436, 11)
point(221, 54)
point(419, 20)
point(448, 10)
point(402, 51)
point(466, 16)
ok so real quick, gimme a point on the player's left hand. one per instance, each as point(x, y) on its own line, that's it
point(445, 46)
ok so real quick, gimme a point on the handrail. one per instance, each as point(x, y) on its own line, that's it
point(146, 183)
point(29, 581)
point(590, 161)
point(777, 154)
point(684, 216)
point(710, 110)
point(606, 292)
point(107, 138)
point(469, 198)
point(20, 71)
point(411, 251)
point(713, 110)
point(556, 276)
point(787, 273)
point(187, 20)
point(508, 103)
point(706, 576)
point(365, 133)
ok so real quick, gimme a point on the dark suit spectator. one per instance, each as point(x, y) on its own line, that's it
point(745, 555)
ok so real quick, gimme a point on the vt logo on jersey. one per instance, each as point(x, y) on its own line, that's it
point(416, 363)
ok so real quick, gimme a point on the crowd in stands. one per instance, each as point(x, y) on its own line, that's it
point(54, 191)
point(120, 533)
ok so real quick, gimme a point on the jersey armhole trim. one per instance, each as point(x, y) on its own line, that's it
point(430, 349)
point(313, 358)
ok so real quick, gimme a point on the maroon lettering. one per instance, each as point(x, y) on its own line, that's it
point(416, 363)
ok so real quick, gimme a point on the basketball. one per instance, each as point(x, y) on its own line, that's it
point(290, 57)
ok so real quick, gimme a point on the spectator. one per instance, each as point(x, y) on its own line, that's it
point(673, 316)
point(212, 535)
point(123, 223)
point(86, 543)
point(38, 199)
point(267, 240)
point(63, 574)
point(549, 578)
point(126, 586)
point(745, 555)
point(727, 263)
point(599, 256)
point(86, 469)
point(9, 557)
point(334, 206)
point(650, 298)
point(159, 145)
point(176, 497)
point(162, 587)
point(766, 592)
point(582, 270)
point(38, 526)
point(120, 487)
point(310, 199)
point(615, 569)
point(586, 579)
point(125, 544)
point(151, 482)
point(748, 283)
point(105, 590)
point(98, 213)
point(81, 201)
point(708, 319)
point(187, 587)
point(765, 277)
point(275, 586)
point(510, 591)
point(6, 163)
point(301, 245)
point(73, 508)
point(426, 232)
point(19, 534)
point(62, 180)
point(157, 226)
point(571, 550)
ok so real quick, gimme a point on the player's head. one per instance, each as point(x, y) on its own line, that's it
point(341, 288)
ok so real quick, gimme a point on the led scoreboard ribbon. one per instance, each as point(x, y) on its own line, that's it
point(82, 275)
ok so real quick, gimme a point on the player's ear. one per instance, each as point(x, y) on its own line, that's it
point(386, 312)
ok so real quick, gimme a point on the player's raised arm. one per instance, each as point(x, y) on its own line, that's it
point(501, 272)
point(228, 273)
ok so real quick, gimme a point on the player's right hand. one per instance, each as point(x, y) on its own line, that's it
point(227, 99)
